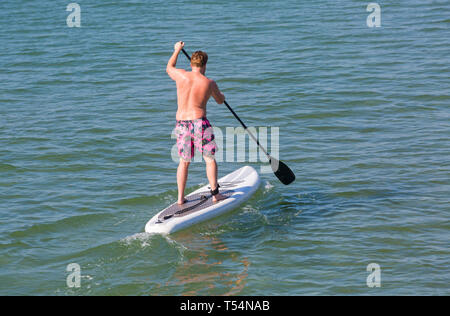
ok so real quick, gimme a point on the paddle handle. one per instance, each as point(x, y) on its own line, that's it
point(237, 117)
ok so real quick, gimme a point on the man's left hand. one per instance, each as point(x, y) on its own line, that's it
point(179, 46)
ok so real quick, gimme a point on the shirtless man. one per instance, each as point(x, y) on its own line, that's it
point(193, 129)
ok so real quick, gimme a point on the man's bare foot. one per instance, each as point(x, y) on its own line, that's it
point(181, 202)
point(218, 197)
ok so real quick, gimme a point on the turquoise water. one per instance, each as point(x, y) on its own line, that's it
point(85, 121)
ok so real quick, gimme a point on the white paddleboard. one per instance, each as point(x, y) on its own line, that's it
point(237, 186)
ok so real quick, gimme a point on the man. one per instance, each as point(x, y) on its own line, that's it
point(193, 129)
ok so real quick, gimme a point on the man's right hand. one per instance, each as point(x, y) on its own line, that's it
point(179, 46)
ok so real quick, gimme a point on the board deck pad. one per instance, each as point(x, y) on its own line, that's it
point(195, 203)
point(236, 187)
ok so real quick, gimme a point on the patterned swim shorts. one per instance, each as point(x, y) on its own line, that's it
point(192, 134)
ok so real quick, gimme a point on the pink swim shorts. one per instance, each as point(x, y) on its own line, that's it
point(192, 134)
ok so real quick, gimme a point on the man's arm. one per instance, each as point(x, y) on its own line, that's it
point(173, 72)
point(216, 93)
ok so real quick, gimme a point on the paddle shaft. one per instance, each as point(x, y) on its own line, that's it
point(237, 117)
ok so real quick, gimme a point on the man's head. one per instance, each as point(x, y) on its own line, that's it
point(199, 59)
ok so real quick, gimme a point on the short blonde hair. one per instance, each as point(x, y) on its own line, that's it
point(199, 59)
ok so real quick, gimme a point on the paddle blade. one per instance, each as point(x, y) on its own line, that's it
point(282, 172)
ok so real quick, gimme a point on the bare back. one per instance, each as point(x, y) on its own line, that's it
point(193, 91)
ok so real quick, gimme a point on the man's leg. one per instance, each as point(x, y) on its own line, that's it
point(211, 173)
point(182, 175)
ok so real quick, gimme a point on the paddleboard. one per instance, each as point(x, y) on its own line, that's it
point(237, 187)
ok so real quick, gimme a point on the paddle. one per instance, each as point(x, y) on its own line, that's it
point(281, 171)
